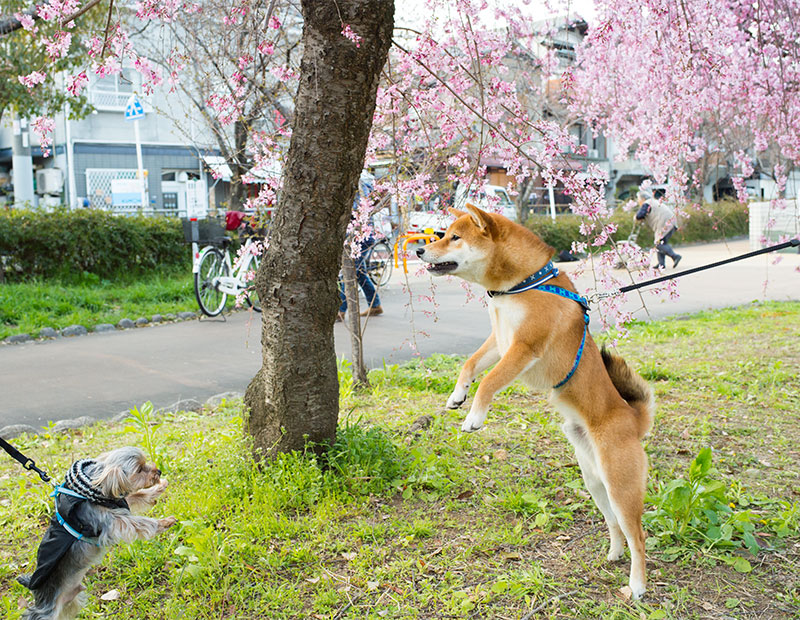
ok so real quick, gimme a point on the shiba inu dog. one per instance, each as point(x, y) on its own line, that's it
point(540, 336)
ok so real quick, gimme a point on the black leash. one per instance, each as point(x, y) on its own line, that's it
point(26, 462)
point(632, 287)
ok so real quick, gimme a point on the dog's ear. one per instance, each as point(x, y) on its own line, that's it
point(482, 219)
point(456, 212)
point(112, 481)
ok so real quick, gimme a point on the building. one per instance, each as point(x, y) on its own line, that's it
point(94, 160)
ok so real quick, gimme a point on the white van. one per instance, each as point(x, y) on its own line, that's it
point(492, 198)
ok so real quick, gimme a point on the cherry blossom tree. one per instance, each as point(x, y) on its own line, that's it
point(464, 83)
point(682, 81)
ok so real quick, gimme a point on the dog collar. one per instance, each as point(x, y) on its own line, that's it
point(540, 277)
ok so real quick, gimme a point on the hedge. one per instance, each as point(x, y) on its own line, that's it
point(711, 222)
point(68, 244)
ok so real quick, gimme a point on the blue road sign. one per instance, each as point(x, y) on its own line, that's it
point(134, 109)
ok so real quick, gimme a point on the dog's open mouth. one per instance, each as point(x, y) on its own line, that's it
point(443, 267)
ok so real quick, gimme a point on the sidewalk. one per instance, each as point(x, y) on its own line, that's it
point(101, 374)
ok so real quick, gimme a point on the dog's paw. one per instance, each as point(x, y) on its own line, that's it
point(473, 422)
point(454, 402)
point(165, 524)
point(637, 589)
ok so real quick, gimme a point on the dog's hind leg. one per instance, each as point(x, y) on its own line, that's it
point(623, 468)
point(588, 463)
point(483, 358)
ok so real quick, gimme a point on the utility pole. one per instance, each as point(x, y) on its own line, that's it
point(22, 163)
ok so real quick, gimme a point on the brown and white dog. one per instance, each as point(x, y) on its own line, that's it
point(607, 407)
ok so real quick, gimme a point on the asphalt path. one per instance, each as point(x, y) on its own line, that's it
point(102, 374)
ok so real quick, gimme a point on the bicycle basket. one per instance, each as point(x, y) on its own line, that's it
point(205, 231)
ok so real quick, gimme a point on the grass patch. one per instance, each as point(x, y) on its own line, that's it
point(25, 308)
point(438, 523)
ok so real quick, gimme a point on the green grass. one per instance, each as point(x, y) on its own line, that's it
point(28, 307)
point(437, 523)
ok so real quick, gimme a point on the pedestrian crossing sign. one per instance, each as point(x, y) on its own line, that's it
point(133, 109)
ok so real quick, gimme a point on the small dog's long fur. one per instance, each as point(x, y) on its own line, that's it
point(122, 473)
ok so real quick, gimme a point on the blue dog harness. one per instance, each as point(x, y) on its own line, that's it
point(62, 490)
point(537, 281)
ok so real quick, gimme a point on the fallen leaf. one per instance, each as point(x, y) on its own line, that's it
point(465, 494)
point(350, 555)
point(373, 585)
point(501, 455)
point(485, 457)
point(383, 612)
point(312, 579)
point(626, 592)
point(707, 606)
point(111, 595)
point(511, 556)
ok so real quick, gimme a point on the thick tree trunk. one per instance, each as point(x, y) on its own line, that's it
point(295, 396)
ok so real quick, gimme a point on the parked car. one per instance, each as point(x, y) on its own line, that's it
point(492, 198)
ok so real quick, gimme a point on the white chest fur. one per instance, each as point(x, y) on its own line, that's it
point(507, 314)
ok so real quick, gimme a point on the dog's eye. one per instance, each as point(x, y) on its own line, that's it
point(454, 238)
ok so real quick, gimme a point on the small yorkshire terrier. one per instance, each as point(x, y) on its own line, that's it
point(95, 509)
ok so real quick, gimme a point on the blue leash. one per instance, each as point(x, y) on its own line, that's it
point(537, 281)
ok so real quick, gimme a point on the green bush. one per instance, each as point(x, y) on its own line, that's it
point(69, 244)
point(710, 222)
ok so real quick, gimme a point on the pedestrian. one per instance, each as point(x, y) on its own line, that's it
point(365, 185)
point(663, 222)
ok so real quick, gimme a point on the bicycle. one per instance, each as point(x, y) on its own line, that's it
point(379, 262)
point(215, 275)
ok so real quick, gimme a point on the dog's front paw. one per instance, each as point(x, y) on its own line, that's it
point(165, 524)
point(456, 400)
point(473, 422)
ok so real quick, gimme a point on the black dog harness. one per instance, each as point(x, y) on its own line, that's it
point(537, 282)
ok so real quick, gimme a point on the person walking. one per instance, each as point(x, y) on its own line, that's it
point(365, 185)
point(663, 222)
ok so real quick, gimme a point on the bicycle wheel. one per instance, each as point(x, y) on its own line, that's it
point(212, 266)
point(251, 294)
point(379, 263)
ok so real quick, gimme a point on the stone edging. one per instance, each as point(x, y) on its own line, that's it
point(49, 333)
point(189, 404)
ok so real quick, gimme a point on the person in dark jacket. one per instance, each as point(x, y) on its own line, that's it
point(663, 222)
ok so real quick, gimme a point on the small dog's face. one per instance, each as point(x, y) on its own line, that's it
point(124, 471)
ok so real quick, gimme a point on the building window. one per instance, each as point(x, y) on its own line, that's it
point(112, 92)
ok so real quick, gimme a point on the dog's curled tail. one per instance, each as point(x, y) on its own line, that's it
point(633, 389)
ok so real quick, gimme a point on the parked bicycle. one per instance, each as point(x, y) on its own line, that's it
point(379, 262)
point(215, 275)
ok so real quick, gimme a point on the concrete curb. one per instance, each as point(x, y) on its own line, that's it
point(187, 404)
point(49, 333)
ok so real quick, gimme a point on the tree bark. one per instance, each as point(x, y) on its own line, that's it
point(294, 398)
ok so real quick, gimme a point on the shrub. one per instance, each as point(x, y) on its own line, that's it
point(68, 244)
point(712, 222)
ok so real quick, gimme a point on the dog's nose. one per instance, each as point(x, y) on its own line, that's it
point(158, 473)
point(420, 252)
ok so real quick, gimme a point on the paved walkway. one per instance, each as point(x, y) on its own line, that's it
point(102, 374)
